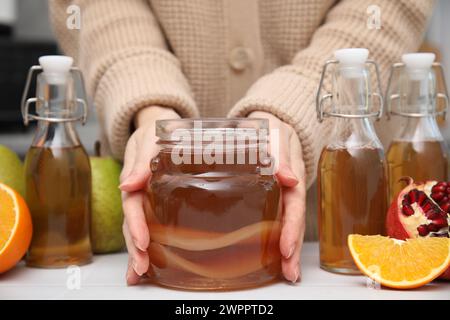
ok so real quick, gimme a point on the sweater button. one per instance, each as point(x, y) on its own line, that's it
point(240, 58)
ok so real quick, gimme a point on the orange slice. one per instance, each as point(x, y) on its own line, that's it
point(15, 228)
point(400, 264)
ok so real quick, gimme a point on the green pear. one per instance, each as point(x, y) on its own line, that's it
point(11, 170)
point(107, 214)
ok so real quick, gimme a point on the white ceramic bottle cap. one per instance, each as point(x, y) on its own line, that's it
point(418, 65)
point(421, 60)
point(352, 56)
point(351, 62)
point(56, 68)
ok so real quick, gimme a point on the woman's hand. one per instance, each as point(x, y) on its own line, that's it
point(291, 176)
point(141, 148)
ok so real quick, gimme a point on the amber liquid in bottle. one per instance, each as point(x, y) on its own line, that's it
point(213, 227)
point(58, 186)
point(421, 160)
point(352, 199)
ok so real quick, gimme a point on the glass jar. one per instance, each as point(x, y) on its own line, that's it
point(213, 205)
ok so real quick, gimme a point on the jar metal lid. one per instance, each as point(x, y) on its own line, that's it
point(169, 130)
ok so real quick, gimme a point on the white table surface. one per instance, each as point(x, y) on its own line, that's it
point(104, 279)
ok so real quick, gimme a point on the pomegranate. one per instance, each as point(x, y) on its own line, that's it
point(420, 210)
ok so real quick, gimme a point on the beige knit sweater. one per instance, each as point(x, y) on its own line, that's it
point(226, 57)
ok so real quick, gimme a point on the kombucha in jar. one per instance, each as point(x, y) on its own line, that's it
point(214, 221)
point(352, 177)
point(418, 149)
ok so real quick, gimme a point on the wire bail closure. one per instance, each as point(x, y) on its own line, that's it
point(321, 114)
point(25, 103)
point(439, 95)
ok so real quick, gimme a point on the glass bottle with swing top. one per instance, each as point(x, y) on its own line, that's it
point(57, 168)
point(352, 170)
point(418, 149)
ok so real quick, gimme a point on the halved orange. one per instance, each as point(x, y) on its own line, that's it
point(15, 228)
point(400, 264)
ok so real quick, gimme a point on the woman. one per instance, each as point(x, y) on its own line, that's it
point(156, 59)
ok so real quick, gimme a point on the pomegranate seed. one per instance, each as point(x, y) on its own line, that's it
point(423, 230)
point(448, 190)
point(444, 200)
point(407, 210)
point(413, 196)
point(427, 205)
point(433, 227)
point(405, 203)
point(437, 196)
point(422, 197)
point(440, 187)
point(406, 199)
point(432, 214)
point(445, 207)
point(441, 222)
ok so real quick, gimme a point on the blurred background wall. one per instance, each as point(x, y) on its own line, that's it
point(32, 20)
point(25, 33)
point(438, 36)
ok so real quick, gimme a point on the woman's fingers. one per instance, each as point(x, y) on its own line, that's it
point(293, 220)
point(135, 219)
point(135, 228)
point(290, 174)
point(294, 200)
point(132, 277)
point(145, 149)
point(291, 267)
point(138, 261)
point(292, 231)
point(141, 148)
point(280, 136)
point(285, 175)
point(128, 159)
